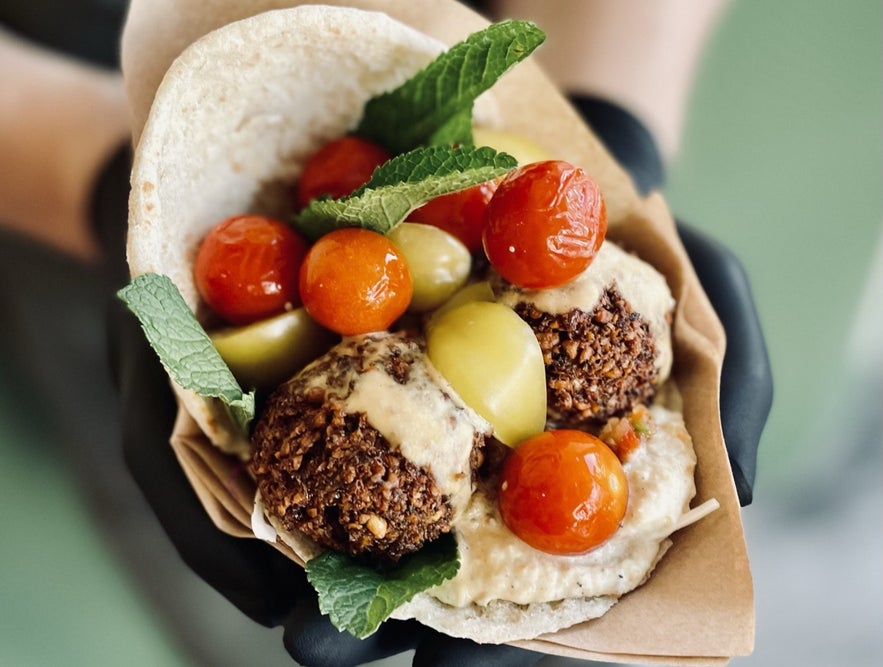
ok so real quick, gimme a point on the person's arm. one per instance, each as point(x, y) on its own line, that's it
point(60, 121)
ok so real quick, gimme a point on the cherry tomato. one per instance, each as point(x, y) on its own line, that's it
point(461, 214)
point(338, 168)
point(544, 224)
point(247, 268)
point(355, 281)
point(563, 492)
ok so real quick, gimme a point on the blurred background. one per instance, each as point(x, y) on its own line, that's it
point(782, 161)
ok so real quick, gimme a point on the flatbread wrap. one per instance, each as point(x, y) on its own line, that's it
point(229, 128)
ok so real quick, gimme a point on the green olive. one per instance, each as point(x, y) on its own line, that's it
point(266, 353)
point(480, 291)
point(438, 261)
point(493, 361)
point(518, 146)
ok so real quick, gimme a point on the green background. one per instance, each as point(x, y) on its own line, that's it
point(781, 161)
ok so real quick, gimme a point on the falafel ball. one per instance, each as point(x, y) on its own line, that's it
point(605, 336)
point(368, 451)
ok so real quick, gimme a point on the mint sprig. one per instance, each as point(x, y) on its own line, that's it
point(358, 598)
point(401, 185)
point(414, 113)
point(182, 345)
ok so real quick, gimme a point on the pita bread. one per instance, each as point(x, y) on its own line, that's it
point(235, 116)
point(215, 144)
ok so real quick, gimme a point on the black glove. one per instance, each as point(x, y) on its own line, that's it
point(271, 589)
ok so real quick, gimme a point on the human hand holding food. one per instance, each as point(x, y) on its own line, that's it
point(583, 411)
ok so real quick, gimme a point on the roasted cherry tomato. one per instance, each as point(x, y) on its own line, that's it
point(338, 168)
point(355, 281)
point(544, 224)
point(461, 214)
point(563, 492)
point(247, 268)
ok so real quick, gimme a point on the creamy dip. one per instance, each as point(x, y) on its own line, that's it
point(420, 416)
point(638, 282)
point(497, 565)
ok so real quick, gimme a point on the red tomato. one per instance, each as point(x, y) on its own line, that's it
point(461, 214)
point(247, 268)
point(544, 224)
point(338, 168)
point(355, 281)
point(563, 492)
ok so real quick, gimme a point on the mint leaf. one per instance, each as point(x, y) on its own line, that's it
point(182, 345)
point(412, 114)
point(402, 184)
point(456, 131)
point(357, 598)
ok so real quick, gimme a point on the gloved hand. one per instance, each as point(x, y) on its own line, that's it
point(272, 590)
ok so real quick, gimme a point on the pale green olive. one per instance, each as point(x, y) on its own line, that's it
point(480, 291)
point(439, 263)
point(266, 353)
point(493, 361)
point(518, 146)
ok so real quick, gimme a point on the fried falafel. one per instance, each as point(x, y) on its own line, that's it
point(605, 336)
point(367, 450)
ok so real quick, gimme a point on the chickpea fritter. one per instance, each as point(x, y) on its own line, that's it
point(323, 469)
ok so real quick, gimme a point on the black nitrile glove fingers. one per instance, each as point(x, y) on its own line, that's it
point(312, 641)
point(746, 377)
point(260, 581)
point(627, 139)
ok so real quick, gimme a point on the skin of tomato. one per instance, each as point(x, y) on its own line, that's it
point(544, 224)
point(461, 214)
point(338, 168)
point(247, 268)
point(355, 281)
point(563, 492)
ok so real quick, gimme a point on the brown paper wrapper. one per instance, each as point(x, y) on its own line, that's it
point(697, 607)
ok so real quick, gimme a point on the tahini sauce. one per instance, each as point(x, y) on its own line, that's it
point(423, 418)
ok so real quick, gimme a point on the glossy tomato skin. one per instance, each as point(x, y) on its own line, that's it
point(338, 168)
point(563, 492)
point(545, 224)
point(247, 268)
point(355, 281)
point(461, 214)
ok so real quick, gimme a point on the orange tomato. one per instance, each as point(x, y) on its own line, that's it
point(247, 268)
point(563, 492)
point(461, 214)
point(355, 281)
point(338, 168)
point(544, 224)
